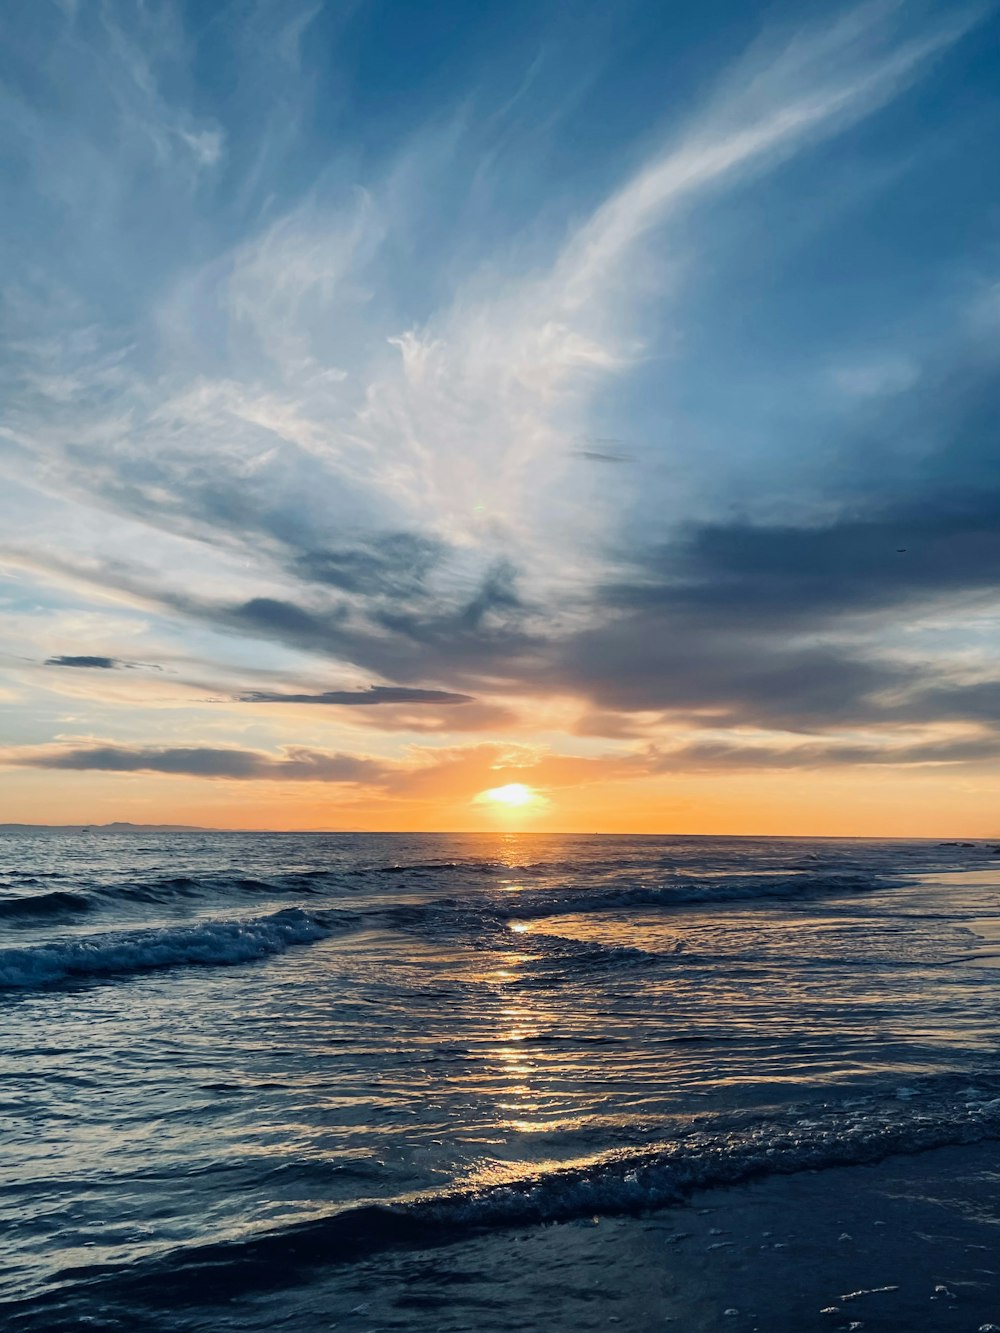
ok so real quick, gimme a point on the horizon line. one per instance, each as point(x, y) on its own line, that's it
point(114, 826)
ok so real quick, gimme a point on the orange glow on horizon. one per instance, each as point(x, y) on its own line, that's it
point(840, 803)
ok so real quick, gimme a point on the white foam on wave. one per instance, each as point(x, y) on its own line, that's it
point(625, 1181)
point(629, 1180)
point(207, 944)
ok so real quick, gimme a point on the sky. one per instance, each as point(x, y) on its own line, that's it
point(552, 416)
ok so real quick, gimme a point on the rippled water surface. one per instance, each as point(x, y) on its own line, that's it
point(231, 1056)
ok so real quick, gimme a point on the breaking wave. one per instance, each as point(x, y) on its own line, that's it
point(616, 1183)
point(475, 904)
point(207, 944)
point(165, 888)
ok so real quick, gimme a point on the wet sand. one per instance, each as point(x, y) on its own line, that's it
point(912, 1243)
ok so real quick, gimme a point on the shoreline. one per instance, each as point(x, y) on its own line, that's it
point(907, 1244)
point(910, 1243)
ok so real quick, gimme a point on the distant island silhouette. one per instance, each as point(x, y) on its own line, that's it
point(119, 826)
point(123, 826)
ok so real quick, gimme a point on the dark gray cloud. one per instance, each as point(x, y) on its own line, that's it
point(667, 663)
point(284, 619)
point(898, 555)
point(494, 609)
point(391, 565)
point(820, 695)
point(295, 765)
point(783, 623)
point(101, 663)
point(601, 456)
point(483, 634)
point(975, 702)
point(664, 661)
point(724, 755)
point(471, 717)
point(92, 662)
point(374, 695)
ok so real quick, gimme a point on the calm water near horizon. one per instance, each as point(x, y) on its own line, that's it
point(235, 1063)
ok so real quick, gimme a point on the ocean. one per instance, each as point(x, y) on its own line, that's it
point(455, 1082)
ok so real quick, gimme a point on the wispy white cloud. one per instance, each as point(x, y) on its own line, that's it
point(463, 425)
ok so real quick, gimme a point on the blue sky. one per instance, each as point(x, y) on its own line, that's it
point(611, 387)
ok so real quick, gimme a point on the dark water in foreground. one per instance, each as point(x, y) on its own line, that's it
point(236, 1066)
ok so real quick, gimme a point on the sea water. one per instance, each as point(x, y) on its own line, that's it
point(239, 1068)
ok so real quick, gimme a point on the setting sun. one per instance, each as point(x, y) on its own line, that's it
point(514, 793)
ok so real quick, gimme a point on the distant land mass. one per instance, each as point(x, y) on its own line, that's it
point(119, 826)
point(123, 826)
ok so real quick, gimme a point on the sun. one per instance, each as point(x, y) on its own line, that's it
point(514, 793)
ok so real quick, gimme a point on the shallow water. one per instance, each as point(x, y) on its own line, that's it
point(235, 1062)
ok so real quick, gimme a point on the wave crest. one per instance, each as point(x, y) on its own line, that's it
point(41, 906)
point(534, 904)
point(206, 944)
point(616, 1183)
